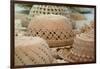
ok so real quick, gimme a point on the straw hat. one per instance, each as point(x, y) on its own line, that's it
point(32, 50)
point(83, 49)
point(56, 29)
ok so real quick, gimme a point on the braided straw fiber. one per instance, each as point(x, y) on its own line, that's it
point(46, 10)
point(83, 48)
point(56, 29)
point(88, 28)
point(31, 51)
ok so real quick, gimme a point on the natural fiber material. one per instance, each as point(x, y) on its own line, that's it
point(83, 48)
point(88, 28)
point(56, 29)
point(46, 10)
point(31, 51)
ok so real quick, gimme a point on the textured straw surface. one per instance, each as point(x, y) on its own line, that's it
point(83, 48)
point(88, 28)
point(56, 29)
point(30, 51)
point(46, 10)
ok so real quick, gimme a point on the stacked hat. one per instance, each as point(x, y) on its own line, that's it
point(46, 10)
point(31, 51)
point(83, 49)
point(56, 29)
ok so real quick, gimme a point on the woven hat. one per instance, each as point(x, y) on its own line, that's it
point(46, 10)
point(31, 51)
point(83, 49)
point(56, 29)
point(88, 28)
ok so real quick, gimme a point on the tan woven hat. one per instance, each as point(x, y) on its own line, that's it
point(56, 29)
point(83, 49)
point(46, 10)
point(31, 51)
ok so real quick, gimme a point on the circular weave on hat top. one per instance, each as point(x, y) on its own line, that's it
point(56, 29)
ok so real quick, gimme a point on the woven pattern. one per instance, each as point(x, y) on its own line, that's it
point(83, 48)
point(30, 51)
point(88, 28)
point(47, 9)
point(56, 29)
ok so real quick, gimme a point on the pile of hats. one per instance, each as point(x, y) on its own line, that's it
point(53, 30)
